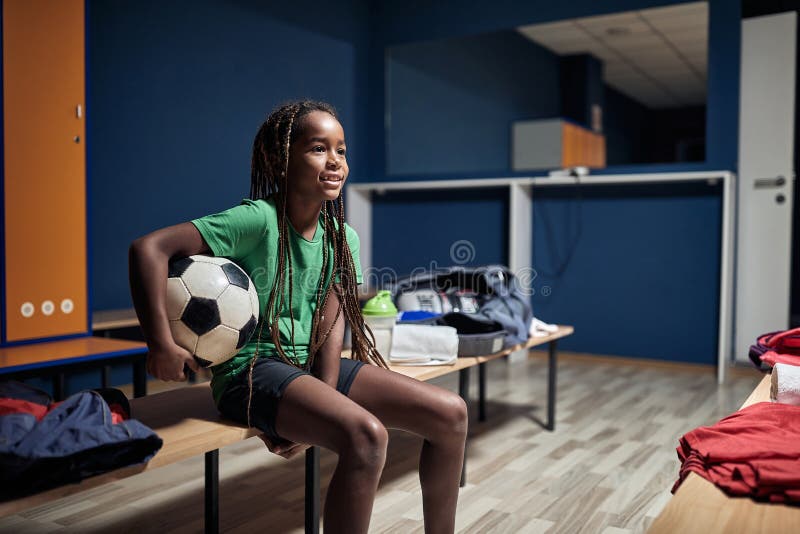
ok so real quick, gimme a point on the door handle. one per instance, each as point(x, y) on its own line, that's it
point(764, 183)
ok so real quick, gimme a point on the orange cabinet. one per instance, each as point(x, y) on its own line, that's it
point(582, 147)
point(44, 175)
point(553, 144)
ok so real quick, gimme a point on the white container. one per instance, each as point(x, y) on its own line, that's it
point(382, 327)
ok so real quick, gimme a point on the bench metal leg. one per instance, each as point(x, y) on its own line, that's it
point(552, 367)
point(212, 492)
point(312, 490)
point(59, 386)
point(463, 384)
point(105, 376)
point(140, 377)
point(482, 391)
point(463, 391)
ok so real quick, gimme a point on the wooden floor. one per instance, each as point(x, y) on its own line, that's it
point(607, 468)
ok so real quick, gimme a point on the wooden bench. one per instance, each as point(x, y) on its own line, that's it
point(189, 424)
point(106, 320)
point(700, 506)
point(55, 358)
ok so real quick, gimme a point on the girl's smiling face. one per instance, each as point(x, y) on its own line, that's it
point(317, 159)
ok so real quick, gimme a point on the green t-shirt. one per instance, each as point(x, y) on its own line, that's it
point(248, 235)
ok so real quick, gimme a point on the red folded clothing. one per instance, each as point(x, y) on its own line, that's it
point(754, 452)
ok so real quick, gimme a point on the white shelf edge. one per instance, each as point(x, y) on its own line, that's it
point(610, 179)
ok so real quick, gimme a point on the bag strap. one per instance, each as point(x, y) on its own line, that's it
point(787, 338)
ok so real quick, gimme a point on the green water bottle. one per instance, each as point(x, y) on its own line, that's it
point(380, 314)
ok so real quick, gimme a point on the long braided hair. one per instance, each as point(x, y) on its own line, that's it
point(269, 180)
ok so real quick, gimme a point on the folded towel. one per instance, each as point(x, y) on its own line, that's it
point(785, 384)
point(423, 344)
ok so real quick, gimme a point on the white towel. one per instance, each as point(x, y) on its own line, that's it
point(785, 384)
point(414, 344)
point(541, 329)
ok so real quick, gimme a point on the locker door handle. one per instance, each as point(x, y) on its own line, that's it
point(764, 183)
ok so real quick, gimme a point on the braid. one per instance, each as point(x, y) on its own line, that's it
point(318, 340)
point(363, 340)
point(269, 180)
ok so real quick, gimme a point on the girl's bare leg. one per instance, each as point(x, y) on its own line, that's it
point(436, 414)
point(312, 412)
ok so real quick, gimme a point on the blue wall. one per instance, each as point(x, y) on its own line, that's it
point(177, 91)
point(625, 122)
point(432, 20)
point(634, 269)
point(439, 229)
point(581, 86)
point(401, 21)
point(643, 274)
point(638, 135)
point(451, 103)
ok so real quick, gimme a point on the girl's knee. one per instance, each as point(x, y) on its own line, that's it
point(366, 441)
point(453, 414)
point(459, 414)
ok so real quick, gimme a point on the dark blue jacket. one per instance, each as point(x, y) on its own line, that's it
point(74, 440)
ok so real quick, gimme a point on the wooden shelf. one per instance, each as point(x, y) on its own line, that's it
point(113, 319)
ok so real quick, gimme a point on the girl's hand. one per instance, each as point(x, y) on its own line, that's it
point(169, 361)
point(284, 448)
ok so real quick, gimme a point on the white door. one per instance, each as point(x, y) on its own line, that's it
point(766, 151)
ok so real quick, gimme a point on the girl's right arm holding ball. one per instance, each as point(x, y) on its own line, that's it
point(148, 261)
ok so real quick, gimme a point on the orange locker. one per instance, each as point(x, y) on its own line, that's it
point(44, 180)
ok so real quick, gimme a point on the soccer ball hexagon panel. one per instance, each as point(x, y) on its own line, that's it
point(213, 307)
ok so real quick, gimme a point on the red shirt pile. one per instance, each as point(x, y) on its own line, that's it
point(754, 452)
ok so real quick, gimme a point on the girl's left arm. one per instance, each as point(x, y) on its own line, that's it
point(326, 363)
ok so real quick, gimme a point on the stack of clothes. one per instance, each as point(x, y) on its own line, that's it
point(755, 452)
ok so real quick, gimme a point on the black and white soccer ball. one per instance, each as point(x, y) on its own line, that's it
point(212, 306)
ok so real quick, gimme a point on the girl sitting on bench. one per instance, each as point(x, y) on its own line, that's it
point(290, 380)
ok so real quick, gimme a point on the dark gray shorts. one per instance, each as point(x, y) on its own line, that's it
point(270, 378)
